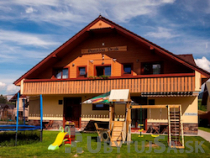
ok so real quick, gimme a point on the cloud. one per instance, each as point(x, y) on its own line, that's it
point(2, 85)
point(203, 63)
point(162, 33)
point(29, 10)
point(22, 38)
point(11, 89)
point(65, 12)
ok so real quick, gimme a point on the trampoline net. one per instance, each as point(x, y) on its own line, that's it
point(28, 132)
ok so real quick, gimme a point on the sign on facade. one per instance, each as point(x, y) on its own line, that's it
point(105, 49)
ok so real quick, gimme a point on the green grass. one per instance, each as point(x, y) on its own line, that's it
point(207, 129)
point(200, 106)
point(39, 149)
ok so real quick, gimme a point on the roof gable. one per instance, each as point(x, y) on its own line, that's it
point(102, 23)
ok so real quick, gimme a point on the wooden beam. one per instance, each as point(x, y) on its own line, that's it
point(153, 106)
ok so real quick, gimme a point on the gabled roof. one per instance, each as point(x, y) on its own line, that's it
point(103, 23)
point(14, 98)
point(188, 58)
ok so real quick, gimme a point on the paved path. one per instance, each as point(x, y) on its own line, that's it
point(204, 135)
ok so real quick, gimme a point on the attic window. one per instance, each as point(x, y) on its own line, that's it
point(61, 73)
point(82, 71)
point(151, 68)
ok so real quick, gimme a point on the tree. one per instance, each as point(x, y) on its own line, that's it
point(3, 100)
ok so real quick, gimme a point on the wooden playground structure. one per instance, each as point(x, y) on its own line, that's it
point(120, 131)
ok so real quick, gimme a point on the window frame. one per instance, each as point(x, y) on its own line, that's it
point(104, 108)
point(106, 65)
point(152, 63)
point(123, 72)
point(78, 71)
point(55, 70)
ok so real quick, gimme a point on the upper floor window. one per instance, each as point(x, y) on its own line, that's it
point(151, 68)
point(103, 70)
point(127, 69)
point(61, 73)
point(82, 72)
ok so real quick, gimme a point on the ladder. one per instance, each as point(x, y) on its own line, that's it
point(175, 127)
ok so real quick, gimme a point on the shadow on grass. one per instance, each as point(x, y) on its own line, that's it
point(24, 137)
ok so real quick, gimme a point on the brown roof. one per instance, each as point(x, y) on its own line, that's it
point(70, 44)
point(14, 98)
point(188, 58)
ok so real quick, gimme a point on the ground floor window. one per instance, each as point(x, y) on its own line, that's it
point(100, 106)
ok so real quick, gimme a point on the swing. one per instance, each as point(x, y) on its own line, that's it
point(157, 130)
point(141, 124)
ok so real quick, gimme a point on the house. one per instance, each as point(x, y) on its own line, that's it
point(7, 112)
point(206, 101)
point(23, 106)
point(123, 60)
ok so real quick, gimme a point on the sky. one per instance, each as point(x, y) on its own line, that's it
point(32, 29)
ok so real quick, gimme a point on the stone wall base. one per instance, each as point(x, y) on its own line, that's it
point(47, 124)
point(188, 128)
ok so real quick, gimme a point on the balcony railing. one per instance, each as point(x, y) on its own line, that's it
point(156, 83)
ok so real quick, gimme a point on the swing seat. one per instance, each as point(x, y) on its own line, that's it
point(141, 130)
point(154, 136)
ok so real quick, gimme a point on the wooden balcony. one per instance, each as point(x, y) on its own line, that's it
point(137, 84)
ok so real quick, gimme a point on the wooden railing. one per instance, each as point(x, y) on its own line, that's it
point(136, 85)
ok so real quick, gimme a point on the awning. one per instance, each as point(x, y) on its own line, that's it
point(101, 99)
point(117, 96)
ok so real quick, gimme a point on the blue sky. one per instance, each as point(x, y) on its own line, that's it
point(30, 30)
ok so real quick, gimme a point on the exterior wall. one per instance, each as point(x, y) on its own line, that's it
point(101, 115)
point(136, 54)
point(189, 112)
point(53, 111)
point(189, 106)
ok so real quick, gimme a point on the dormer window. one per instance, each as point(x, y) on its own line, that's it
point(151, 68)
point(103, 70)
point(127, 69)
point(61, 73)
point(82, 71)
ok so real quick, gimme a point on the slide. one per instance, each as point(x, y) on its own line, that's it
point(58, 141)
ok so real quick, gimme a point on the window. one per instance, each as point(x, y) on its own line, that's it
point(103, 70)
point(127, 69)
point(82, 72)
point(151, 68)
point(61, 73)
point(100, 106)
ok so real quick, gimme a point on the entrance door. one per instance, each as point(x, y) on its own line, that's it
point(72, 111)
point(139, 116)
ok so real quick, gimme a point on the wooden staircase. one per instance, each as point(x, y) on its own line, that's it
point(175, 127)
point(117, 133)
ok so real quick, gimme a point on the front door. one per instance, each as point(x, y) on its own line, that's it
point(139, 116)
point(72, 110)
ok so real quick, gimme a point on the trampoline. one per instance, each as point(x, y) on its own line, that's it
point(20, 127)
point(16, 127)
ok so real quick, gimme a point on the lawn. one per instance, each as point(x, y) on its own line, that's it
point(207, 129)
point(39, 149)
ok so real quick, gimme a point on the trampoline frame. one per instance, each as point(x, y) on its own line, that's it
point(27, 128)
